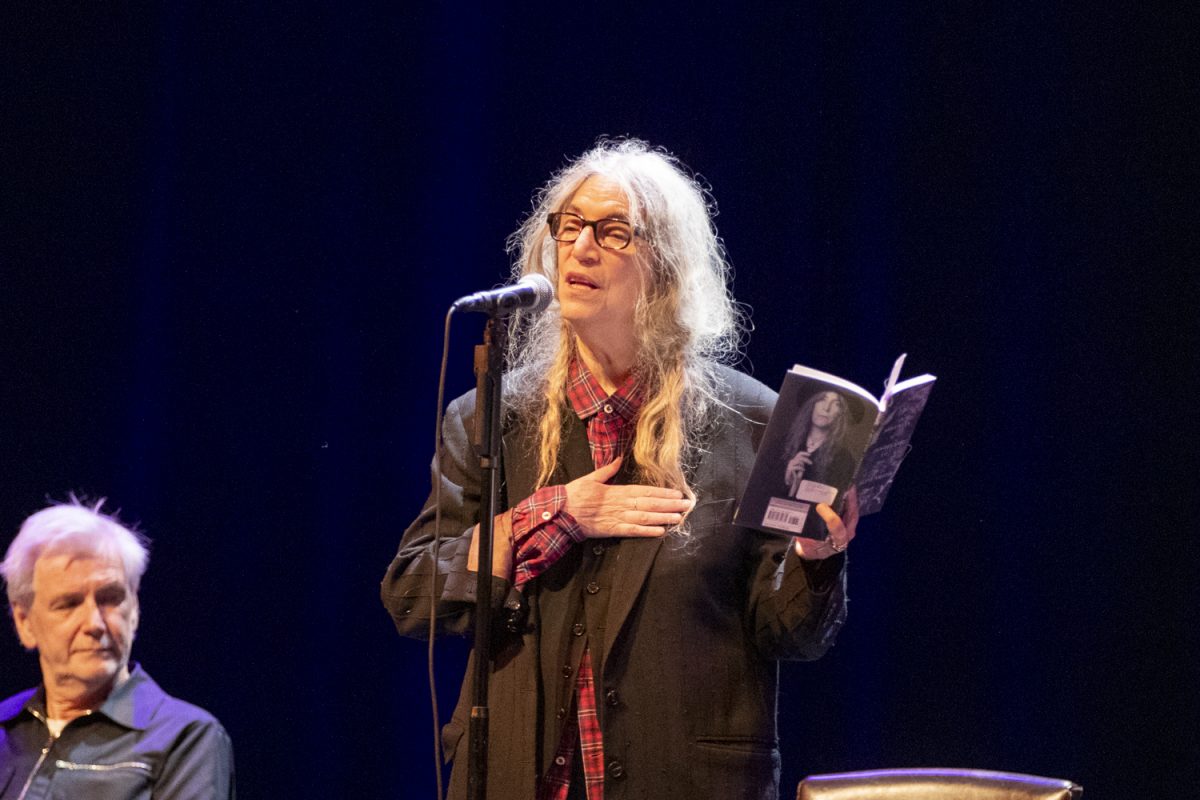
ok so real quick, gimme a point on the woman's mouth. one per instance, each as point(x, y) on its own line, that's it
point(577, 280)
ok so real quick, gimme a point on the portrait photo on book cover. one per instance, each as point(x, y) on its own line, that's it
point(812, 437)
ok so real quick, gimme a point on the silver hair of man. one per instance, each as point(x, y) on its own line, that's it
point(674, 213)
point(75, 529)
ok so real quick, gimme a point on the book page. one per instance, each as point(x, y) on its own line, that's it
point(889, 386)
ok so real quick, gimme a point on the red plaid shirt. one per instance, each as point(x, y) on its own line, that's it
point(542, 532)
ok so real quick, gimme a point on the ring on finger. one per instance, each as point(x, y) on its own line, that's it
point(833, 545)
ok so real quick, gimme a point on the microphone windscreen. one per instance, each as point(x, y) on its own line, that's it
point(543, 289)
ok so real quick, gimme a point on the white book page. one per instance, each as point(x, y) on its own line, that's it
point(889, 386)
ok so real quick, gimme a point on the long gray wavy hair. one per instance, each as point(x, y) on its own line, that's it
point(686, 319)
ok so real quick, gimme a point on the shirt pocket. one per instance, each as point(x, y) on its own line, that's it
point(124, 780)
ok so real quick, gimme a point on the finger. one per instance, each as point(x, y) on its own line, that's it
point(662, 505)
point(832, 520)
point(654, 520)
point(838, 538)
point(627, 529)
point(642, 531)
point(639, 490)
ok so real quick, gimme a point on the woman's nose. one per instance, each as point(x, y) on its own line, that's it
point(586, 246)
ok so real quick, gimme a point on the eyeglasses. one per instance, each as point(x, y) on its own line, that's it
point(611, 234)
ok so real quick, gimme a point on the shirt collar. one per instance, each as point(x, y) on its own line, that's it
point(133, 701)
point(587, 395)
point(129, 704)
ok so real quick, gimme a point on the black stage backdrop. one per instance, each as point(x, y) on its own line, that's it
point(230, 235)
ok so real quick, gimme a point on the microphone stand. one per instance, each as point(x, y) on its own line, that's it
point(489, 358)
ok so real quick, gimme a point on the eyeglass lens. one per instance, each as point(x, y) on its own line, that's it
point(613, 234)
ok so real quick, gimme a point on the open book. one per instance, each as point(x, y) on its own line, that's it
point(826, 435)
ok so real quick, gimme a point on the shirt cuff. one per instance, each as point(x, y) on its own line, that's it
point(544, 508)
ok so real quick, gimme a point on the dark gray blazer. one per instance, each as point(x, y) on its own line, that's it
point(695, 624)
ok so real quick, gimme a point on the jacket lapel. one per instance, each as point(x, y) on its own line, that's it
point(634, 559)
point(636, 556)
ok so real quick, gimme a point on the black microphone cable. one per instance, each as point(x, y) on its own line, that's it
point(437, 539)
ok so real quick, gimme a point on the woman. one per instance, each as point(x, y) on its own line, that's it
point(815, 442)
point(642, 628)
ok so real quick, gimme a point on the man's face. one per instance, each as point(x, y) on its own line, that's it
point(81, 621)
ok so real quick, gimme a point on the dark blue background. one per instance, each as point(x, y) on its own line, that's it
point(230, 234)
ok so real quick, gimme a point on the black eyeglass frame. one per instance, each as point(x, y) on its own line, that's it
point(590, 223)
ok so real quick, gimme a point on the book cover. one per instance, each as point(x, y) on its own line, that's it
point(825, 435)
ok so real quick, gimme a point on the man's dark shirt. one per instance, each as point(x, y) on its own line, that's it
point(142, 743)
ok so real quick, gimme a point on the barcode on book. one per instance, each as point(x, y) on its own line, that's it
point(785, 515)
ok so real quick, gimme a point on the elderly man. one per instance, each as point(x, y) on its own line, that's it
point(97, 728)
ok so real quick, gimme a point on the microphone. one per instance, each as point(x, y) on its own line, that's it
point(532, 293)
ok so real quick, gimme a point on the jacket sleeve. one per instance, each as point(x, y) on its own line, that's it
point(796, 607)
point(410, 590)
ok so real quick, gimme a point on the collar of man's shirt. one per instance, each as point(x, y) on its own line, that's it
point(587, 395)
point(130, 703)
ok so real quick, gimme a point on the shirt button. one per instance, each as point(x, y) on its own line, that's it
point(593, 587)
point(598, 549)
point(567, 671)
point(560, 760)
point(611, 697)
point(608, 408)
point(562, 713)
point(615, 769)
point(577, 629)
point(546, 515)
